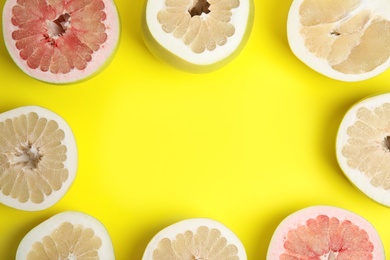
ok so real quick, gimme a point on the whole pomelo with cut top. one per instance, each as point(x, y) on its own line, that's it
point(61, 41)
point(325, 232)
point(67, 235)
point(363, 147)
point(38, 158)
point(197, 35)
point(343, 40)
point(196, 238)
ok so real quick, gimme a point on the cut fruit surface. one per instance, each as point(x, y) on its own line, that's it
point(197, 35)
point(38, 158)
point(198, 238)
point(325, 232)
point(345, 40)
point(67, 235)
point(363, 147)
point(61, 41)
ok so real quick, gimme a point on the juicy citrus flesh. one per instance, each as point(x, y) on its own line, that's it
point(351, 39)
point(325, 237)
point(68, 241)
point(200, 24)
point(32, 157)
point(368, 146)
point(58, 36)
point(206, 243)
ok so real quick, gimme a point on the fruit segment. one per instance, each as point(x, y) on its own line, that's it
point(363, 146)
point(60, 41)
point(67, 235)
point(349, 39)
point(325, 232)
point(38, 158)
point(197, 238)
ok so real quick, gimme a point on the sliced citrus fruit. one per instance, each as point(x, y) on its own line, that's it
point(197, 35)
point(363, 147)
point(344, 40)
point(61, 41)
point(325, 232)
point(67, 235)
point(38, 158)
point(198, 238)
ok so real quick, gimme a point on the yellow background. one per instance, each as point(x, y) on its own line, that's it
point(246, 145)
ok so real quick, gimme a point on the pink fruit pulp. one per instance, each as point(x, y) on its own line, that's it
point(61, 42)
point(325, 232)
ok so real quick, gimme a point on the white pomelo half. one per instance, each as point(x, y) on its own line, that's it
point(67, 235)
point(344, 40)
point(325, 232)
point(38, 158)
point(197, 35)
point(198, 238)
point(61, 41)
point(363, 147)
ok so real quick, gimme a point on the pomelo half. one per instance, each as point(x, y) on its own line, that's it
point(198, 238)
point(197, 35)
point(67, 235)
point(61, 41)
point(363, 147)
point(344, 40)
point(38, 158)
point(325, 232)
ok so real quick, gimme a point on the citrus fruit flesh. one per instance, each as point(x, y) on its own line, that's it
point(67, 235)
point(61, 41)
point(344, 40)
point(38, 158)
point(200, 35)
point(363, 147)
point(198, 238)
point(325, 232)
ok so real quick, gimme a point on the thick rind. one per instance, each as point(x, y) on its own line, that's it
point(297, 44)
point(300, 217)
point(359, 180)
point(71, 162)
point(36, 234)
point(167, 56)
point(192, 224)
point(100, 59)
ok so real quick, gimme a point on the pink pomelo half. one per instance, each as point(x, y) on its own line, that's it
point(325, 232)
point(61, 41)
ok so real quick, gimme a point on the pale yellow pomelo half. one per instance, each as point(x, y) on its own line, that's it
point(67, 235)
point(344, 40)
point(363, 147)
point(38, 158)
point(197, 35)
point(198, 238)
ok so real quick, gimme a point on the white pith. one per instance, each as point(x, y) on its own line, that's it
point(171, 231)
point(297, 45)
point(99, 58)
point(36, 234)
point(299, 218)
point(357, 178)
point(70, 163)
point(239, 19)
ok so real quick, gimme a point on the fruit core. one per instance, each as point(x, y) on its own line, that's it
point(58, 36)
point(200, 7)
point(201, 25)
point(327, 238)
point(27, 155)
point(368, 145)
point(205, 244)
point(68, 242)
point(352, 41)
